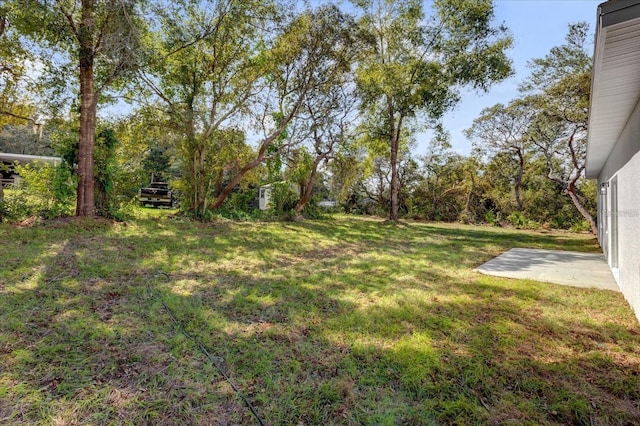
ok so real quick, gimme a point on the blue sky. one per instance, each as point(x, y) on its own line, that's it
point(536, 26)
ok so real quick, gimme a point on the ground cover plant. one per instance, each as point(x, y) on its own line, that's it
point(338, 321)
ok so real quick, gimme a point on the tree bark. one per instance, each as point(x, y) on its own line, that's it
point(395, 181)
point(467, 206)
point(200, 177)
point(571, 187)
point(243, 171)
point(571, 191)
point(518, 181)
point(262, 153)
point(306, 195)
point(86, 204)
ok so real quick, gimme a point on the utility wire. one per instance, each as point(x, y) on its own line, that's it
point(211, 358)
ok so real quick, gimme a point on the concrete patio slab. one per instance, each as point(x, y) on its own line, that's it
point(571, 268)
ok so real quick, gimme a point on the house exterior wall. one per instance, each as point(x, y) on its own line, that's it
point(621, 177)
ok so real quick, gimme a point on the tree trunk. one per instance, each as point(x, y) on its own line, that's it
point(1, 199)
point(393, 214)
point(85, 203)
point(194, 180)
point(467, 204)
point(227, 189)
point(306, 194)
point(395, 181)
point(195, 149)
point(262, 154)
point(518, 182)
point(571, 191)
point(200, 177)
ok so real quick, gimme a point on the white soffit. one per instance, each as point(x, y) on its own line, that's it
point(615, 89)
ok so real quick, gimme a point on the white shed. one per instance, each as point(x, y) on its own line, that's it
point(265, 197)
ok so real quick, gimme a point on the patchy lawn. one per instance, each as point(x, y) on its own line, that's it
point(341, 321)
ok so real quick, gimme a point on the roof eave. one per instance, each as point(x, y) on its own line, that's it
point(609, 14)
point(593, 172)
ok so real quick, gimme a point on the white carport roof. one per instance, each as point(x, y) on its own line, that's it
point(22, 158)
point(615, 84)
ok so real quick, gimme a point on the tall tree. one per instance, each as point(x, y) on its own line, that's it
point(156, 163)
point(307, 60)
point(346, 174)
point(329, 120)
point(559, 89)
point(100, 37)
point(217, 68)
point(450, 184)
point(502, 129)
point(15, 105)
point(205, 74)
point(26, 139)
point(417, 64)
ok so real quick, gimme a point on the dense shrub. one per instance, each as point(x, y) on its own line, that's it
point(44, 190)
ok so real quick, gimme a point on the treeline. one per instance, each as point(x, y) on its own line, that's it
point(222, 96)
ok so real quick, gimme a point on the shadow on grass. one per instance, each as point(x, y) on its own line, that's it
point(84, 341)
point(373, 229)
point(470, 362)
point(312, 355)
point(329, 322)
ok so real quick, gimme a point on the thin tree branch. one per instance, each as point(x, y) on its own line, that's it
point(20, 117)
point(69, 18)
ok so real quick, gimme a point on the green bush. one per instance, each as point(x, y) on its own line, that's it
point(491, 218)
point(517, 219)
point(581, 226)
point(467, 217)
point(44, 191)
point(241, 205)
point(560, 221)
point(313, 211)
point(283, 198)
point(3, 210)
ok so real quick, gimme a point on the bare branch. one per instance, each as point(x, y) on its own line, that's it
point(69, 17)
point(20, 117)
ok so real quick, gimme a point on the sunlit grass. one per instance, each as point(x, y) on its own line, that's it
point(152, 212)
point(341, 321)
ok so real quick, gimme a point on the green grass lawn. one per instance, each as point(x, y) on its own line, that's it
point(339, 321)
